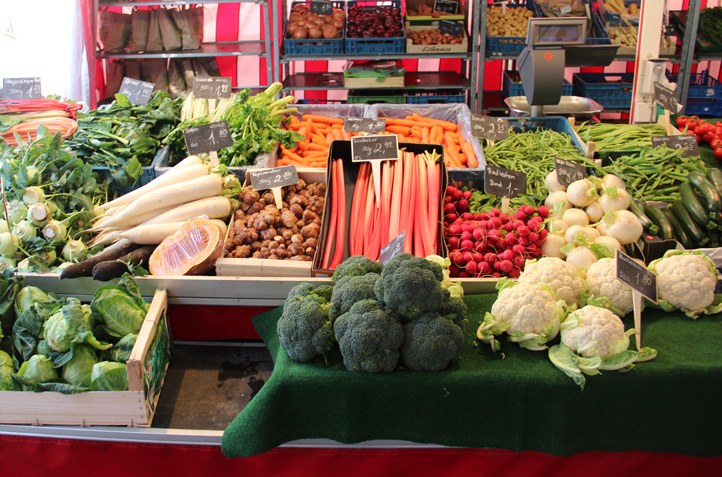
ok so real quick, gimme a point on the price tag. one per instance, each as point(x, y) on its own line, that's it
point(214, 87)
point(384, 147)
point(137, 92)
point(568, 171)
point(366, 125)
point(276, 177)
point(451, 28)
point(208, 138)
point(393, 248)
point(665, 98)
point(449, 7)
point(487, 127)
point(637, 276)
point(504, 182)
point(21, 88)
point(685, 141)
point(321, 8)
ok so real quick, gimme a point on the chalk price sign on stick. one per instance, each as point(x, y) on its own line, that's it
point(504, 182)
point(274, 179)
point(449, 7)
point(568, 171)
point(215, 87)
point(366, 125)
point(137, 92)
point(21, 88)
point(685, 141)
point(208, 138)
point(665, 98)
point(643, 284)
point(374, 149)
point(393, 248)
point(487, 127)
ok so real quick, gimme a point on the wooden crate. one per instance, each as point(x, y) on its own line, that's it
point(135, 407)
point(411, 47)
point(367, 83)
point(261, 267)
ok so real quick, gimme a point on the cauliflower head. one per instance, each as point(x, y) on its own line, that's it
point(605, 290)
point(686, 281)
point(528, 313)
point(564, 279)
point(595, 331)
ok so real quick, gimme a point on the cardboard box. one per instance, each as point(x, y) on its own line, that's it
point(380, 82)
point(430, 49)
point(263, 267)
point(135, 407)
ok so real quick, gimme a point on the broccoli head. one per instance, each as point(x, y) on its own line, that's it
point(356, 265)
point(369, 336)
point(431, 343)
point(410, 286)
point(454, 309)
point(304, 329)
point(350, 289)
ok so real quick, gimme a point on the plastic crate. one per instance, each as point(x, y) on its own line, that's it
point(510, 45)
point(436, 97)
point(703, 107)
point(310, 46)
point(374, 97)
point(512, 85)
point(598, 35)
point(555, 123)
point(364, 46)
point(602, 88)
point(615, 19)
point(701, 85)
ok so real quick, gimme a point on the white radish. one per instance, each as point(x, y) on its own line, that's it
point(615, 198)
point(575, 217)
point(623, 225)
point(610, 180)
point(581, 193)
point(552, 246)
point(594, 212)
point(557, 202)
point(558, 227)
point(217, 207)
point(173, 176)
point(103, 226)
point(551, 182)
point(154, 234)
point(106, 238)
point(169, 196)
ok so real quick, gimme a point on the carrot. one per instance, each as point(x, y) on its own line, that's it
point(405, 130)
point(425, 135)
point(291, 155)
point(407, 122)
point(321, 119)
point(318, 139)
point(445, 125)
point(437, 135)
point(471, 160)
point(336, 134)
point(316, 147)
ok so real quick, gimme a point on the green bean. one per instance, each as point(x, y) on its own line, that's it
point(620, 137)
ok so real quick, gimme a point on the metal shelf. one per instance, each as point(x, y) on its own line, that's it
point(223, 48)
point(153, 3)
point(463, 56)
point(423, 80)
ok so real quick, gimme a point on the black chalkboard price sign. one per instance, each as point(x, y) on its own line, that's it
point(214, 87)
point(366, 125)
point(568, 171)
point(208, 138)
point(376, 147)
point(449, 7)
point(393, 248)
point(665, 98)
point(321, 7)
point(684, 141)
point(137, 92)
point(451, 28)
point(637, 276)
point(21, 88)
point(276, 177)
point(504, 182)
point(488, 127)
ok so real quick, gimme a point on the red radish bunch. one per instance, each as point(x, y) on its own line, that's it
point(490, 244)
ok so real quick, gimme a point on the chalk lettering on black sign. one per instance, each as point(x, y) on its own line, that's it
point(138, 92)
point(637, 276)
point(393, 248)
point(376, 147)
point(568, 172)
point(504, 182)
point(214, 87)
point(451, 28)
point(207, 138)
point(321, 7)
point(665, 98)
point(367, 125)
point(21, 88)
point(449, 7)
point(487, 127)
point(276, 177)
point(684, 141)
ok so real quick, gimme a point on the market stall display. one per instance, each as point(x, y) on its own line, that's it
point(21, 118)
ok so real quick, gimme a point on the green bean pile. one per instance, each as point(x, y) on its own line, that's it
point(655, 173)
point(533, 152)
point(620, 137)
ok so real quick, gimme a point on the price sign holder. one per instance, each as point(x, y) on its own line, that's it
point(449, 7)
point(375, 149)
point(568, 171)
point(274, 179)
point(321, 7)
point(137, 92)
point(643, 284)
point(214, 87)
point(208, 138)
point(665, 98)
point(364, 125)
point(487, 127)
point(504, 183)
point(684, 141)
point(21, 88)
point(451, 28)
point(393, 248)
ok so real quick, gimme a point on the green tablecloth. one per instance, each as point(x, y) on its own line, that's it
point(519, 402)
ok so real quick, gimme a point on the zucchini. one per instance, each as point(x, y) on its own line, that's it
point(714, 176)
point(660, 220)
point(690, 226)
point(637, 208)
point(694, 206)
point(679, 234)
point(709, 193)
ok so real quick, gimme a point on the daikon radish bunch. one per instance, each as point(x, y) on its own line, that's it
point(155, 211)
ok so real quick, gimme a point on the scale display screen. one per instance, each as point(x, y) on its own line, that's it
point(556, 32)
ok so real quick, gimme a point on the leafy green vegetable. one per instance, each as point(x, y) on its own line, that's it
point(710, 24)
point(38, 369)
point(120, 352)
point(9, 287)
point(69, 326)
point(121, 308)
point(109, 376)
point(77, 370)
point(6, 371)
point(32, 307)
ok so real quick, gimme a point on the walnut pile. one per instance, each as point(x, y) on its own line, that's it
point(260, 230)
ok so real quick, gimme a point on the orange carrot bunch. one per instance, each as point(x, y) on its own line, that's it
point(319, 132)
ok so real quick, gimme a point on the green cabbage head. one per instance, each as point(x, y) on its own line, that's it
point(109, 376)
